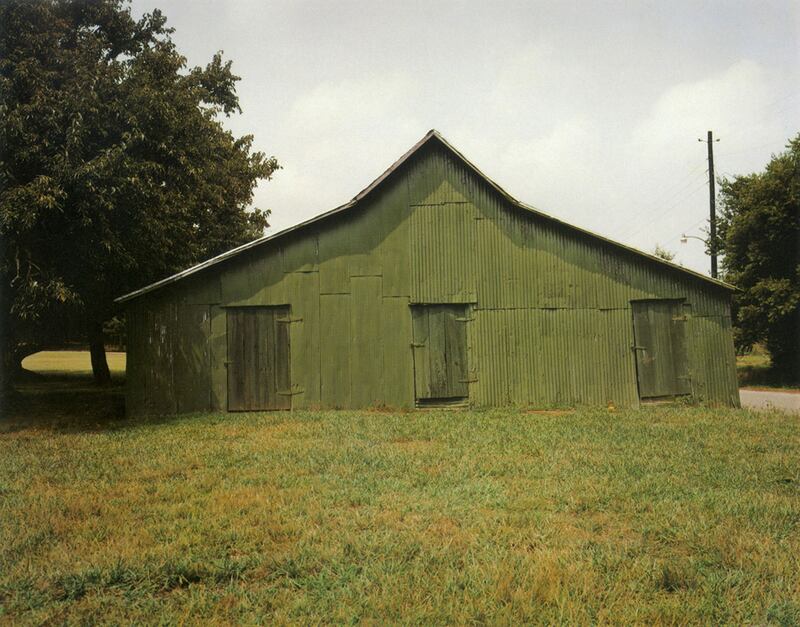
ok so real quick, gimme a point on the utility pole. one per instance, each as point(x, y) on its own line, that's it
point(712, 206)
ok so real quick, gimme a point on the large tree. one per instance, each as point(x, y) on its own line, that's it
point(115, 168)
point(760, 238)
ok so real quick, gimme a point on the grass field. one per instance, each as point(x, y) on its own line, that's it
point(666, 515)
point(71, 364)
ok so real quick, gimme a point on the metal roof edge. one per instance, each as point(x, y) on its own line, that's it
point(433, 133)
point(547, 216)
point(267, 238)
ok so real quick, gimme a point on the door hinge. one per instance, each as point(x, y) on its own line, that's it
point(288, 320)
point(417, 344)
point(465, 319)
point(291, 392)
point(472, 380)
point(638, 348)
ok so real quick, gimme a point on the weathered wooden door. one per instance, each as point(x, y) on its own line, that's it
point(440, 352)
point(659, 329)
point(258, 358)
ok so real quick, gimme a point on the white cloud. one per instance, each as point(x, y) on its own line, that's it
point(734, 99)
point(322, 141)
point(349, 104)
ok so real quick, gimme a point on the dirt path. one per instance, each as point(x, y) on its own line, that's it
point(785, 401)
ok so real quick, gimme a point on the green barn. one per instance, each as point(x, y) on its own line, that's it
point(432, 287)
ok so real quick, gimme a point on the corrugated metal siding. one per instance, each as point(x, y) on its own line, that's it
point(136, 360)
point(442, 234)
point(443, 254)
point(712, 363)
point(218, 345)
point(398, 367)
point(551, 307)
point(334, 354)
point(366, 343)
point(303, 299)
point(554, 357)
point(170, 357)
point(191, 377)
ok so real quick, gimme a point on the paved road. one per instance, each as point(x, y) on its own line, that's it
point(756, 399)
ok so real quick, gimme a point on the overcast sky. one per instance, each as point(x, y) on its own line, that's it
point(589, 111)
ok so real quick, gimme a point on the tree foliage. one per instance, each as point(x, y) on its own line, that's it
point(115, 167)
point(664, 253)
point(759, 234)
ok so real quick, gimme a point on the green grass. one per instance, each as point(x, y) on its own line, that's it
point(71, 364)
point(666, 515)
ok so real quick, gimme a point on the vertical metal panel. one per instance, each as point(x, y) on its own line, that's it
point(442, 225)
point(393, 247)
point(254, 280)
point(551, 357)
point(398, 367)
point(160, 328)
point(136, 359)
point(239, 385)
point(300, 253)
point(443, 254)
point(302, 290)
point(372, 241)
point(712, 360)
point(490, 363)
point(335, 244)
point(366, 343)
point(192, 364)
point(335, 350)
point(218, 348)
point(200, 290)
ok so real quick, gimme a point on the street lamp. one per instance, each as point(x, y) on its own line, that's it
point(685, 239)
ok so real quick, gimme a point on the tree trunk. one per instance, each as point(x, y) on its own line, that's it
point(97, 349)
point(7, 368)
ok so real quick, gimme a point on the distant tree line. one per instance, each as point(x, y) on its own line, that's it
point(759, 236)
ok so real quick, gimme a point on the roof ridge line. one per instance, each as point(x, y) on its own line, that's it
point(431, 134)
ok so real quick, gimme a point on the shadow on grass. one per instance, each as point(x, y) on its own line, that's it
point(69, 402)
point(765, 376)
point(755, 370)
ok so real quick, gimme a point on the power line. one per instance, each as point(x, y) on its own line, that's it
point(684, 183)
point(750, 149)
point(662, 213)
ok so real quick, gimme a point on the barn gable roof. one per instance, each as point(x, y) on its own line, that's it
point(430, 136)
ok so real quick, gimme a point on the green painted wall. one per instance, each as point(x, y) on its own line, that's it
point(551, 307)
